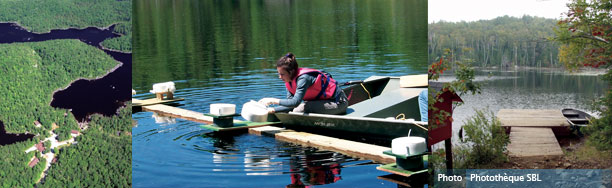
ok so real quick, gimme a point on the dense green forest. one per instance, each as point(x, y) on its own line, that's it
point(121, 43)
point(500, 42)
point(44, 15)
point(101, 158)
point(31, 72)
point(14, 169)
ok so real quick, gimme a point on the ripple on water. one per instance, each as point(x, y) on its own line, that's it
point(183, 154)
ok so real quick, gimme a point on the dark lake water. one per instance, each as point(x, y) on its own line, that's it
point(224, 51)
point(529, 89)
point(10, 138)
point(84, 97)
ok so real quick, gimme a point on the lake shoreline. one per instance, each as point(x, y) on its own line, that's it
point(100, 28)
point(89, 80)
point(581, 71)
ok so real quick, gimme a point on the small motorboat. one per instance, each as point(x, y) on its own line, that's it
point(374, 105)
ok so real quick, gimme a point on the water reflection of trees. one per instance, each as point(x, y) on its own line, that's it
point(311, 167)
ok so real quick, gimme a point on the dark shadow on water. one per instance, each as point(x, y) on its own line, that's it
point(9, 138)
point(84, 97)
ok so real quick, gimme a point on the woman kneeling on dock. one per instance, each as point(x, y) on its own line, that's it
point(319, 91)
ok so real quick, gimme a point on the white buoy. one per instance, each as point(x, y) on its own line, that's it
point(254, 111)
point(221, 109)
point(163, 87)
point(410, 145)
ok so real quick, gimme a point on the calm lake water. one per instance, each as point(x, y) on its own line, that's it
point(11, 138)
point(84, 97)
point(529, 89)
point(225, 51)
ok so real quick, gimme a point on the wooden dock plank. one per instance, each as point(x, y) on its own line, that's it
point(146, 102)
point(347, 147)
point(531, 118)
point(201, 118)
point(238, 126)
point(179, 113)
point(530, 141)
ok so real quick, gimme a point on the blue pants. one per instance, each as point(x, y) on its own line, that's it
point(423, 105)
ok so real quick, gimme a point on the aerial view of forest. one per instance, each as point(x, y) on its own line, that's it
point(41, 16)
point(54, 149)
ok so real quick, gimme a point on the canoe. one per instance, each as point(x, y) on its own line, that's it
point(373, 107)
point(576, 117)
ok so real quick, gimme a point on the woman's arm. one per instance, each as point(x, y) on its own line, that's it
point(303, 82)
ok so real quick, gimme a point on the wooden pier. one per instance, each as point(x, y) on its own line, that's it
point(529, 141)
point(532, 132)
point(346, 147)
point(201, 118)
point(350, 148)
point(153, 101)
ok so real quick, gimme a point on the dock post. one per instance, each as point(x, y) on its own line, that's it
point(449, 153)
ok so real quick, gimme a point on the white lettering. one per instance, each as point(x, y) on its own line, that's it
point(444, 177)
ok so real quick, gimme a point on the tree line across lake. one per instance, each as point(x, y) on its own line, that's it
point(500, 42)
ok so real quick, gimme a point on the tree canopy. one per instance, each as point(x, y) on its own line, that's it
point(102, 156)
point(585, 35)
point(502, 42)
point(43, 15)
point(31, 72)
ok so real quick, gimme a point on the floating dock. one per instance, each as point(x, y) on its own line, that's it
point(350, 148)
point(346, 147)
point(201, 118)
point(532, 132)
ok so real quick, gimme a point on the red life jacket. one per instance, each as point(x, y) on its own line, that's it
point(323, 88)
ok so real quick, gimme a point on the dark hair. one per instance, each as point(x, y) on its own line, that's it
point(288, 63)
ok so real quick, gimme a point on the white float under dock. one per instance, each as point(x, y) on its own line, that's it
point(346, 147)
point(532, 131)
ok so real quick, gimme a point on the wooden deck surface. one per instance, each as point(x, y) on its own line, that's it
point(347, 147)
point(201, 118)
point(179, 113)
point(531, 118)
point(531, 141)
point(146, 102)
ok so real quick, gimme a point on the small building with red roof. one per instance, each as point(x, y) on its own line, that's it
point(33, 162)
point(40, 147)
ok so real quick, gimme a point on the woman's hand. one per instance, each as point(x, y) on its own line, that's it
point(269, 101)
point(271, 110)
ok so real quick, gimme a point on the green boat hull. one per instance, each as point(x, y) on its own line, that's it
point(368, 112)
point(374, 127)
